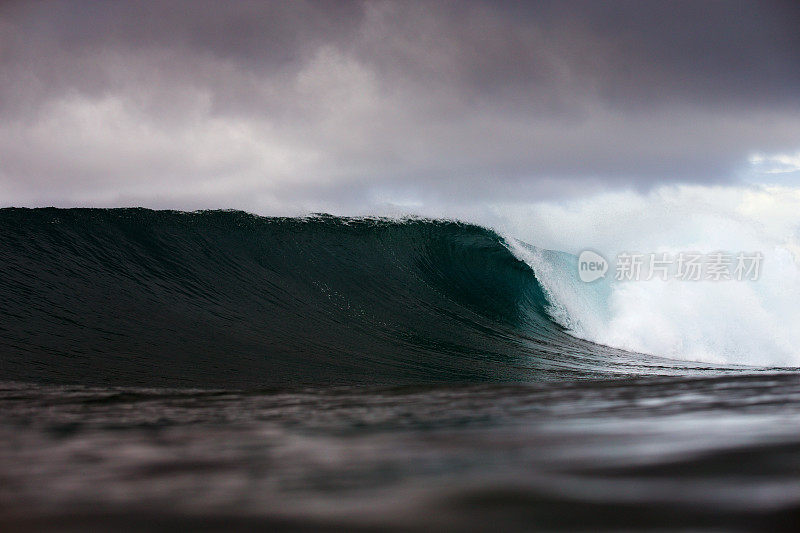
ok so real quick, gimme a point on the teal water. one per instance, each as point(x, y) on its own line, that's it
point(221, 371)
point(131, 297)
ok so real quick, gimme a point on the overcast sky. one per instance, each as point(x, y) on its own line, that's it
point(287, 107)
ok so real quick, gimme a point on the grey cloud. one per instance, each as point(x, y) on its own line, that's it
point(346, 104)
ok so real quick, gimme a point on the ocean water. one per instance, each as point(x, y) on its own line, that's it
point(221, 371)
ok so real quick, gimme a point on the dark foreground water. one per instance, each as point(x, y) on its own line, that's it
point(656, 453)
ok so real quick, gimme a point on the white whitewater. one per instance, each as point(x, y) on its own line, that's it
point(738, 322)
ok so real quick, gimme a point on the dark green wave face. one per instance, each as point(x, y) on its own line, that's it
point(228, 299)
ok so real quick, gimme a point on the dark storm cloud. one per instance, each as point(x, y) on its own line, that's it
point(304, 104)
point(710, 51)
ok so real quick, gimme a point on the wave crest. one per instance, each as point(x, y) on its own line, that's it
point(228, 299)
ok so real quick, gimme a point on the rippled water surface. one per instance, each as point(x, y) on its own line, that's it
point(142, 329)
point(705, 453)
